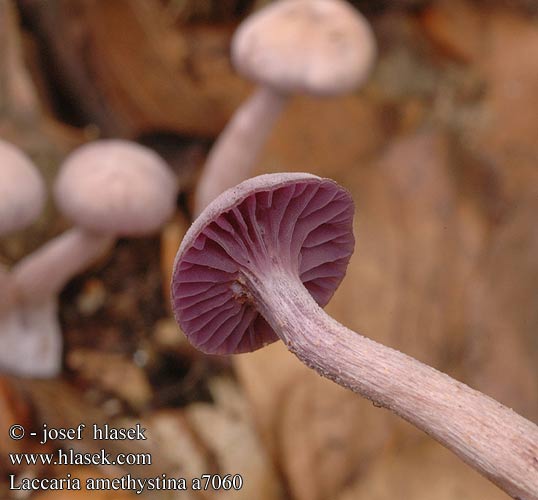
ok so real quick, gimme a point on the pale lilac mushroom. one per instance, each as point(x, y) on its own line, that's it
point(315, 47)
point(22, 190)
point(257, 265)
point(109, 189)
point(22, 197)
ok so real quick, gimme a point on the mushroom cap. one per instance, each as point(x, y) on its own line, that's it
point(22, 190)
point(116, 187)
point(298, 222)
point(320, 47)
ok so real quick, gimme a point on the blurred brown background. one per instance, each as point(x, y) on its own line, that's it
point(440, 151)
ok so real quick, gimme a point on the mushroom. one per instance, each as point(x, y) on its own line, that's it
point(22, 191)
point(22, 196)
point(257, 265)
point(317, 47)
point(109, 188)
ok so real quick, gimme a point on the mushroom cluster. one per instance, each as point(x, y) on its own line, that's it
point(109, 189)
point(257, 265)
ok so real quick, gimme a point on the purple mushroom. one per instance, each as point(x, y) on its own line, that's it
point(257, 265)
point(22, 196)
point(314, 47)
point(110, 189)
point(22, 190)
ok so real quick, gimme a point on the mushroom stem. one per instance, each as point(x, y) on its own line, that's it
point(42, 274)
point(493, 439)
point(31, 335)
point(233, 155)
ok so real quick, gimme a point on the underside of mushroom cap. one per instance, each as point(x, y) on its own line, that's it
point(116, 187)
point(320, 47)
point(22, 190)
point(299, 224)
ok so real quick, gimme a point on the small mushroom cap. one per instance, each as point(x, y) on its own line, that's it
point(320, 47)
point(298, 222)
point(116, 187)
point(22, 190)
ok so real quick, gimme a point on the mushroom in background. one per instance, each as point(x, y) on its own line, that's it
point(110, 189)
point(316, 47)
point(256, 266)
point(22, 197)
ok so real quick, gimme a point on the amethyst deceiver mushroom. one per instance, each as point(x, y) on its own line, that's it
point(22, 190)
point(256, 266)
point(22, 197)
point(314, 47)
point(109, 189)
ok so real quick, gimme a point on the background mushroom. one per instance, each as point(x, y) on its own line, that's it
point(22, 196)
point(317, 47)
point(257, 264)
point(109, 188)
point(22, 191)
